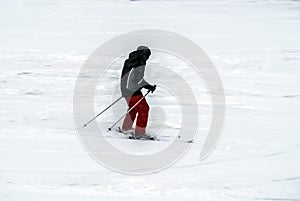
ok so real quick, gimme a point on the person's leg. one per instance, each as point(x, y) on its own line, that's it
point(130, 117)
point(142, 117)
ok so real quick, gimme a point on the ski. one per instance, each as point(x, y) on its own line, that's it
point(130, 135)
point(143, 138)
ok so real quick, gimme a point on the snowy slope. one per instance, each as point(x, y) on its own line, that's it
point(255, 46)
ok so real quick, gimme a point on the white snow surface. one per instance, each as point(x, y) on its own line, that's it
point(255, 47)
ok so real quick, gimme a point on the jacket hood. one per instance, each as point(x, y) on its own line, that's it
point(144, 51)
point(134, 55)
point(140, 53)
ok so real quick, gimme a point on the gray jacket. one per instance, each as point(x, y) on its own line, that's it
point(136, 79)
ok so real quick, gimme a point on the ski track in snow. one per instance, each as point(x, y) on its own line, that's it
point(254, 45)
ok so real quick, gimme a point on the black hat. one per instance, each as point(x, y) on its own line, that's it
point(144, 50)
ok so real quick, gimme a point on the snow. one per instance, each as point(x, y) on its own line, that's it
point(255, 47)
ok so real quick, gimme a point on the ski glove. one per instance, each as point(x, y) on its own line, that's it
point(150, 87)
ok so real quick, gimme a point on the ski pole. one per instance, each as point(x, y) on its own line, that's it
point(102, 112)
point(128, 111)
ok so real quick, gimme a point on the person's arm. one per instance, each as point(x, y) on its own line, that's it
point(136, 80)
point(143, 82)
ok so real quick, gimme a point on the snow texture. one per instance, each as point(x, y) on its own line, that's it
point(255, 47)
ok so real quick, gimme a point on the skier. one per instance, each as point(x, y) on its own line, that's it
point(132, 81)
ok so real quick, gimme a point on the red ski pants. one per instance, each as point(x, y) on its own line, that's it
point(140, 111)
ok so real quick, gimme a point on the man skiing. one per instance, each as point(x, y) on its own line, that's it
point(132, 81)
